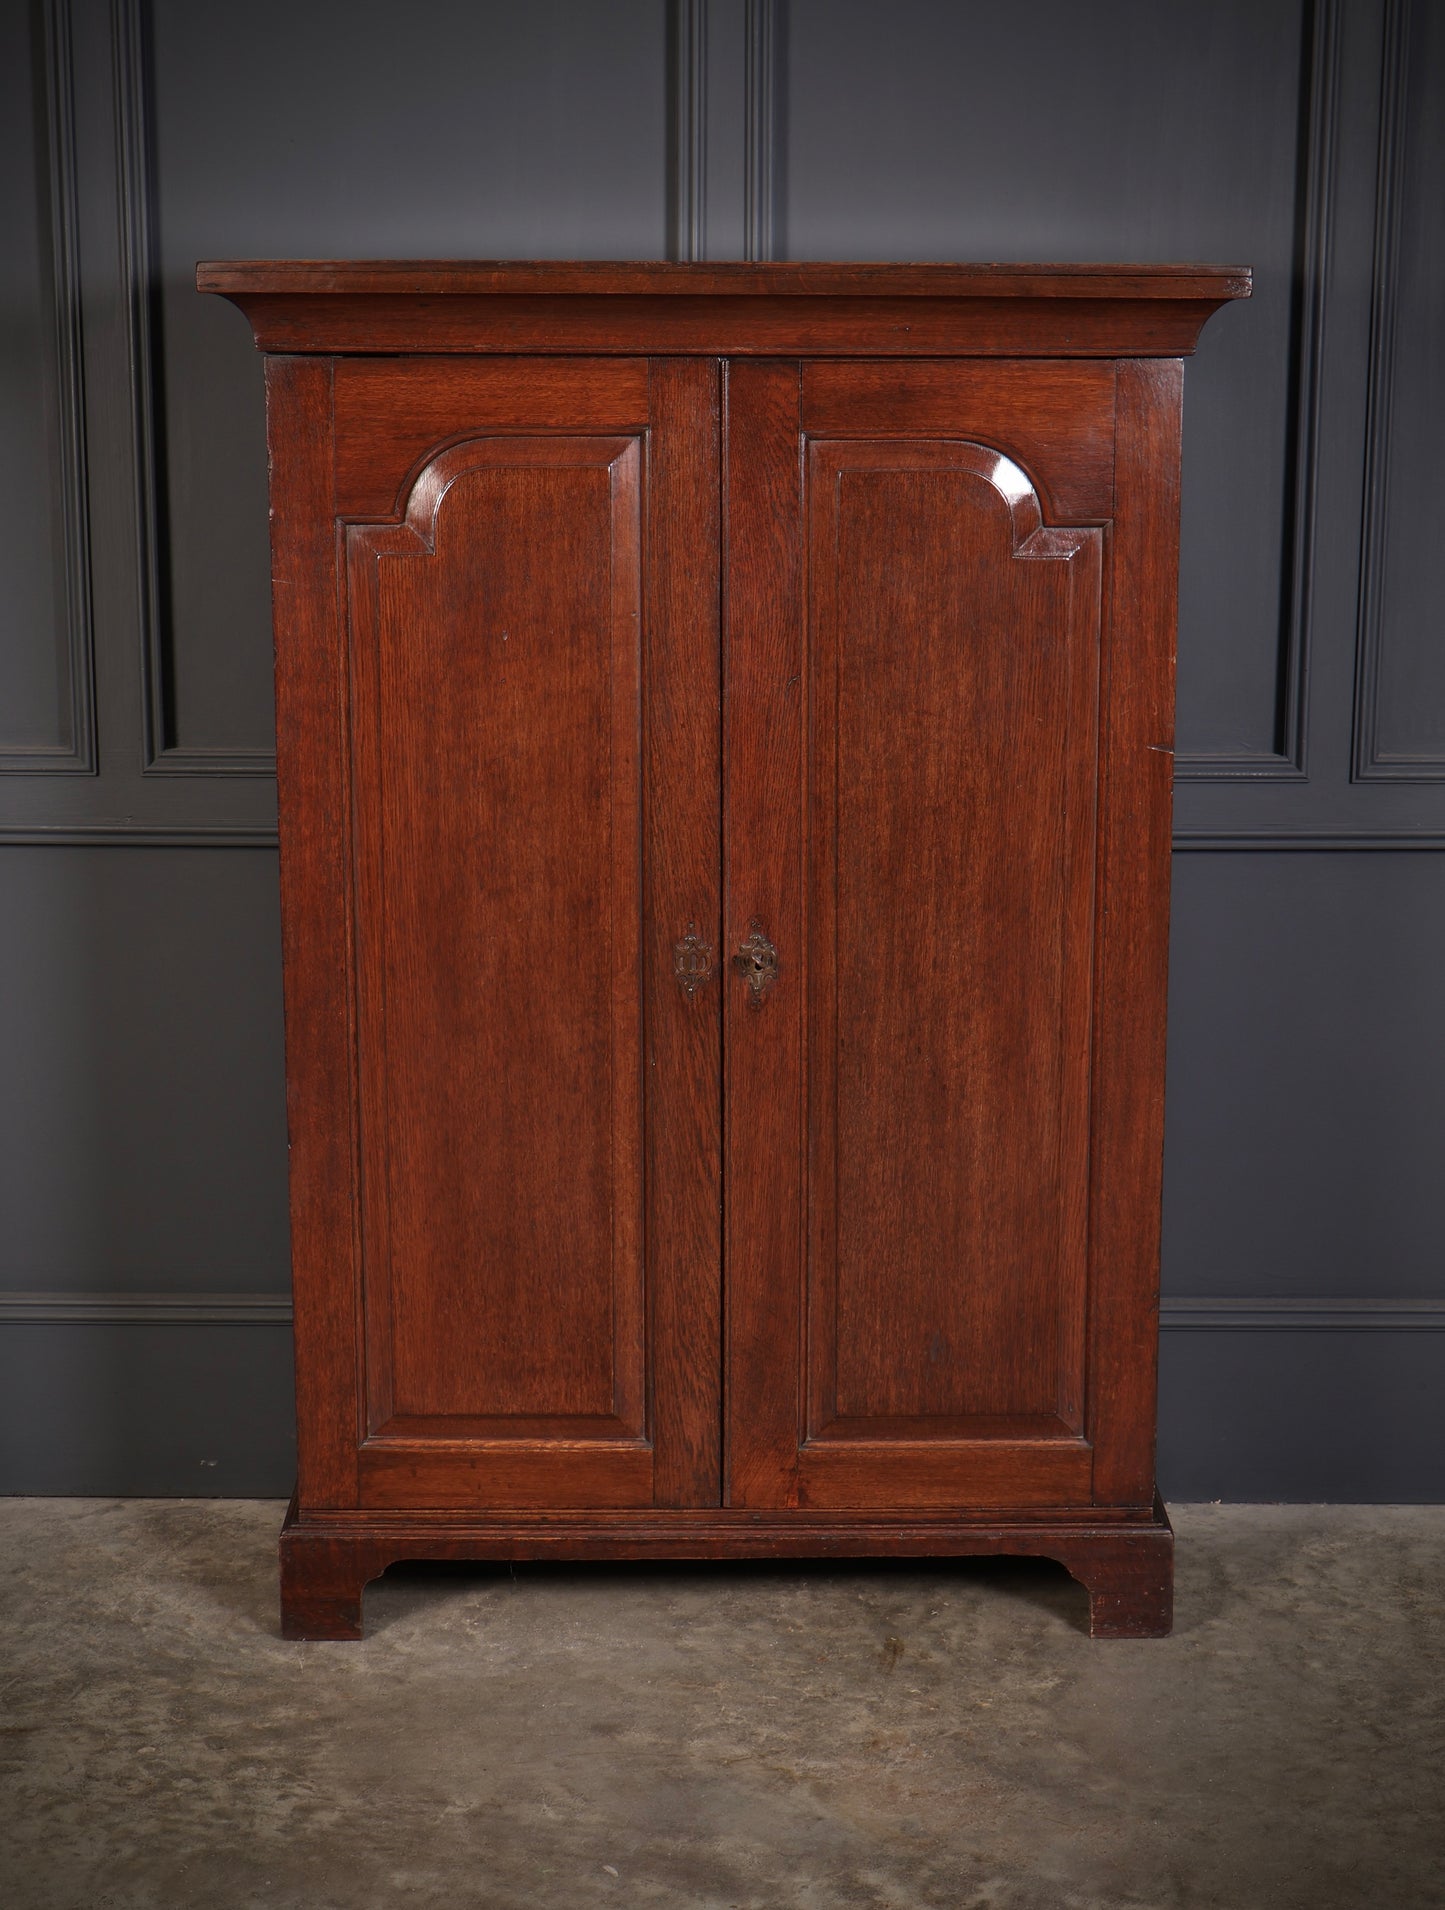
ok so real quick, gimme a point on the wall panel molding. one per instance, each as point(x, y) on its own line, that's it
point(1253, 1314)
point(74, 752)
point(760, 129)
point(1221, 841)
point(1319, 148)
point(1274, 1315)
point(1371, 762)
point(146, 1309)
point(162, 752)
point(688, 118)
point(724, 104)
point(122, 834)
point(133, 234)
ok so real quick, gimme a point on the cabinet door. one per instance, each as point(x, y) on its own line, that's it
point(528, 588)
point(915, 619)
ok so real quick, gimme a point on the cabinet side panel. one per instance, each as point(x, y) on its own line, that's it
point(320, 1085)
point(1136, 744)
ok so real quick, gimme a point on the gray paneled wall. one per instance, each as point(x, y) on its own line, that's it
point(143, 1337)
point(47, 714)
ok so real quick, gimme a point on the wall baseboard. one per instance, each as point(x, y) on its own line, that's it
point(156, 1395)
point(107, 1400)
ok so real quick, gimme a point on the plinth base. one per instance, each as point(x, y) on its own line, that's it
point(1124, 1560)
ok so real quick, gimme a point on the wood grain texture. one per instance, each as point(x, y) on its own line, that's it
point(682, 881)
point(763, 665)
point(496, 698)
point(996, 325)
point(735, 309)
point(751, 280)
point(952, 668)
point(398, 1473)
point(535, 730)
point(1132, 955)
point(1056, 421)
point(936, 1468)
point(392, 417)
point(938, 823)
point(1126, 1565)
point(316, 931)
point(850, 680)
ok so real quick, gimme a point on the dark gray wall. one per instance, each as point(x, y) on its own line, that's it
point(143, 1335)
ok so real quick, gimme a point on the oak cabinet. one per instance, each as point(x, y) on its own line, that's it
point(724, 719)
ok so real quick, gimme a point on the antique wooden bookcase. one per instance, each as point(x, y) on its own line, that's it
point(724, 721)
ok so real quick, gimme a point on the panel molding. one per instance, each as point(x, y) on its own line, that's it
point(168, 1308)
point(1275, 1314)
point(1225, 841)
point(714, 44)
point(161, 753)
point(1371, 763)
point(1269, 1313)
point(65, 344)
point(122, 834)
point(1319, 147)
point(688, 116)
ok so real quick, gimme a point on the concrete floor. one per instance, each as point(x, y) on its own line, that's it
point(735, 1738)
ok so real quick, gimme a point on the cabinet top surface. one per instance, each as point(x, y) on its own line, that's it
point(473, 277)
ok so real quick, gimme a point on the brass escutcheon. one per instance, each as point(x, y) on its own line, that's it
point(692, 961)
point(757, 962)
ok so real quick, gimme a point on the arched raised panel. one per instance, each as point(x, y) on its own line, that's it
point(495, 687)
point(952, 672)
point(755, 863)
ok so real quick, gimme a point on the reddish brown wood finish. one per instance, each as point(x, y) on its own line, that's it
point(392, 417)
point(1070, 466)
point(733, 310)
point(764, 1108)
point(1131, 968)
point(749, 280)
point(952, 760)
point(1126, 1564)
point(496, 704)
point(534, 1280)
point(316, 931)
point(631, 620)
point(924, 863)
point(682, 881)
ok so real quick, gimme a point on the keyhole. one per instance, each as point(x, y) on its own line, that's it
point(757, 962)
